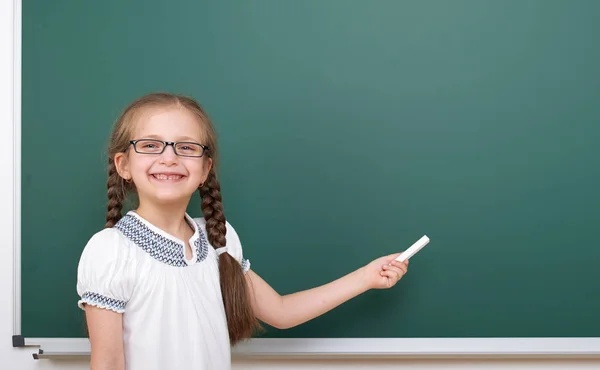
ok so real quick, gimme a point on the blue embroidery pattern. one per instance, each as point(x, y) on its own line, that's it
point(201, 245)
point(156, 245)
point(95, 299)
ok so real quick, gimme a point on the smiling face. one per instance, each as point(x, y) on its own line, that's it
point(165, 177)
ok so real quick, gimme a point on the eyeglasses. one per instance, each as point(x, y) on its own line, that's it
point(181, 148)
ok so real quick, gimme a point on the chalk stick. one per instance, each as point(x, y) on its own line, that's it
point(419, 244)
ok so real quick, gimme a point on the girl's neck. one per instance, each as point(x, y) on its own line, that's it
point(170, 219)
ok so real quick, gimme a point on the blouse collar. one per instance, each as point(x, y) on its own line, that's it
point(161, 245)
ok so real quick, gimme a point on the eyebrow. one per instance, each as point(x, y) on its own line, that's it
point(180, 138)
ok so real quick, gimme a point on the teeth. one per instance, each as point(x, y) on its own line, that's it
point(160, 176)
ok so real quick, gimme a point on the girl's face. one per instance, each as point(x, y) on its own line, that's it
point(165, 177)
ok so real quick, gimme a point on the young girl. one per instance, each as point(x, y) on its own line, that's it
point(162, 290)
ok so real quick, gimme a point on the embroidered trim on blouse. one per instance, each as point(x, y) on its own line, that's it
point(159, 247)
point(98, 300)
point(201, 245)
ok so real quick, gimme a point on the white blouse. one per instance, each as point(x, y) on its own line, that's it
point(173, 315)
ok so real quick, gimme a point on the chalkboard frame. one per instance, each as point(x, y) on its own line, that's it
point(277, 347)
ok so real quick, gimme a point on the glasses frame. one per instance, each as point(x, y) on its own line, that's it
point(171, 143)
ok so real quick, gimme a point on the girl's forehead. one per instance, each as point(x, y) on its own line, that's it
point(169, 124)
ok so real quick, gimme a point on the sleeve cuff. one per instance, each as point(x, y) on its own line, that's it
point(100, 301)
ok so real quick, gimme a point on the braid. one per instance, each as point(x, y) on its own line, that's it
point(116, 195)
point(212, 209)
point(241, 321)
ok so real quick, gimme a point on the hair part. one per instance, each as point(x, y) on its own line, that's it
point(241, 320)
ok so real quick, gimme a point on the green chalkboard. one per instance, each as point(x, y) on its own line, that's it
point(348, 130)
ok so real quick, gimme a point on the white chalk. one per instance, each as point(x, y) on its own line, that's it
point(413, 249)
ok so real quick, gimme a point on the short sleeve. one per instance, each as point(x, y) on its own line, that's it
point(106, 271)
point(234, 247)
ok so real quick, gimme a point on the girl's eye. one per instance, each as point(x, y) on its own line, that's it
point(189, 149)
point(148, 146)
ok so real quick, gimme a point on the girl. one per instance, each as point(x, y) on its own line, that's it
point(163, 290)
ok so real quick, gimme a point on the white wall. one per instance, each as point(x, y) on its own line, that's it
point(21, 359)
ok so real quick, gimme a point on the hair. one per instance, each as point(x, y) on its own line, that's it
point(241, 320)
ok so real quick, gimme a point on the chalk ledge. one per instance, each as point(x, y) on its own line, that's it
point(368, 348)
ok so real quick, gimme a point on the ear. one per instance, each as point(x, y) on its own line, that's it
point(206, 169)
point(122, 165)
point(208, 164)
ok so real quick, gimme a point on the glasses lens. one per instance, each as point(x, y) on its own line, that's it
point(189, 149)
point(149, 146)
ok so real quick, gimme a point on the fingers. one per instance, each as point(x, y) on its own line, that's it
point(391, 277)
point(395, 270)
point(400, 267)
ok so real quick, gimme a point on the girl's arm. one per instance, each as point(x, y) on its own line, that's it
point(106, 338)
point(293, 309)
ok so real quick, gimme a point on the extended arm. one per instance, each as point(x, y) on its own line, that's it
point(293, 309)
point(290, 310)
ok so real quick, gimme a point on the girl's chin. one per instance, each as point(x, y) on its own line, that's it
point(169, 196)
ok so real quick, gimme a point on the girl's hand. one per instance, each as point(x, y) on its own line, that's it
point(384, 272)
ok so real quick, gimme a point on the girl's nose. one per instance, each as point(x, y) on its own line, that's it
point(168, 156)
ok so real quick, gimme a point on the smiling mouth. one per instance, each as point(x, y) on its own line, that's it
point(160, 176)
